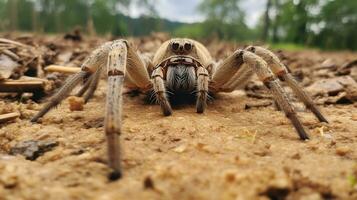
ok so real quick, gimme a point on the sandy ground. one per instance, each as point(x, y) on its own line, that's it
point(226, 153)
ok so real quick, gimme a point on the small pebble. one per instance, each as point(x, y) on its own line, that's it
point(342, 151)
point(296, 156)
point(148, 183)
point(75, 103)
point(32, 149)
point(354, 117)
point(230, 176)
point(180, 148)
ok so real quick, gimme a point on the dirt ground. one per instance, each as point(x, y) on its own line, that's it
point(229, 152)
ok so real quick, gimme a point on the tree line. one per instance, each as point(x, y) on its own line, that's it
point(326, 24)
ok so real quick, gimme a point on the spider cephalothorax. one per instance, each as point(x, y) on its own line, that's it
point(180, 66)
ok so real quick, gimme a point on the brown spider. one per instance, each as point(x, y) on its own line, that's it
point(181, 66)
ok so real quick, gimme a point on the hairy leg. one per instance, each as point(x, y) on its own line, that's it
point(84, 87)
point(282, 73)
point(225, 71)
point(202, 89)
point(160, 91)
point(122, 61)
point(70, 83)
point(116, 68)
point(96, 60)
point(89, 87)
point(92, 86)
point(239, 80)
point(260, 67)
point(241, 65)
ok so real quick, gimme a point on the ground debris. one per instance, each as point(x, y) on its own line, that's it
point(276, 193)
point(328, 64)
point(148, 183)
point(9, 117)
point(7, 66)
point(341, 89)
point(75, 103)
point(347, 68)
point(258, 104)
point(343, 150)
point(32, 149)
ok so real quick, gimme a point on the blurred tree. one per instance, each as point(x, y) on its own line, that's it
point(224, 19)
point(3, 22)
point(326, 24)
point(266, 28)
point(12, 9)
point(337, 25)
point(277, 20)
point(63, 15)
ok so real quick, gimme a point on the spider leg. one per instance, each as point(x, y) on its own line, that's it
point(70, 83)
point(225, 71)
point(84, 87)
point(231, 74)
point(239, 80)
point(93, 85)
point(235, 66)
point(202, 89)
point(280, 70)
point(119, 58)
point(116, 67)
point(272, 83)
point(96, 60)
point(89, 87)
point(122, 61)
point(160, 91)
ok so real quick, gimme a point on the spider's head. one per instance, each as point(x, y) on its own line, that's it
point(181, 46)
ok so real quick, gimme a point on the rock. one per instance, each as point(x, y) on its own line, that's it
point(180, 148)
point(148, 183)
point(7, 66)
point(64, 57)
point(342, 151)
point(354, 117)
point(94, 123)
point(258, 104)
point(351, 93)
point(335, 90)
point(325, 86)
point(347, 68)
point(230, 176)
point(296, 156)
point(328, 64)
point(32, 149)
point(331, 86)
point(75, 103)
point(353, 73)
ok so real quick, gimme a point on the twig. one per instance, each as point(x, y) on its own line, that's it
point(8, 117)
point(11, 54)
point(6, 41)
point(258, 95)
point(62, 69)
point(22, 85)
point(257, 104)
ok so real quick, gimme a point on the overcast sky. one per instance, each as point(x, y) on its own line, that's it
point(186, 10)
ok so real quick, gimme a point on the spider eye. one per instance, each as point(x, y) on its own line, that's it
point(188, 46)
point(175, 46)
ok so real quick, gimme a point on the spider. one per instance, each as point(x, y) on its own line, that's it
point(179, 66)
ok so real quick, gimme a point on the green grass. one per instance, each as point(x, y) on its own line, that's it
point(289, 47)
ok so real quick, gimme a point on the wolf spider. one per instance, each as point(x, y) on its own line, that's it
point(179, 66)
